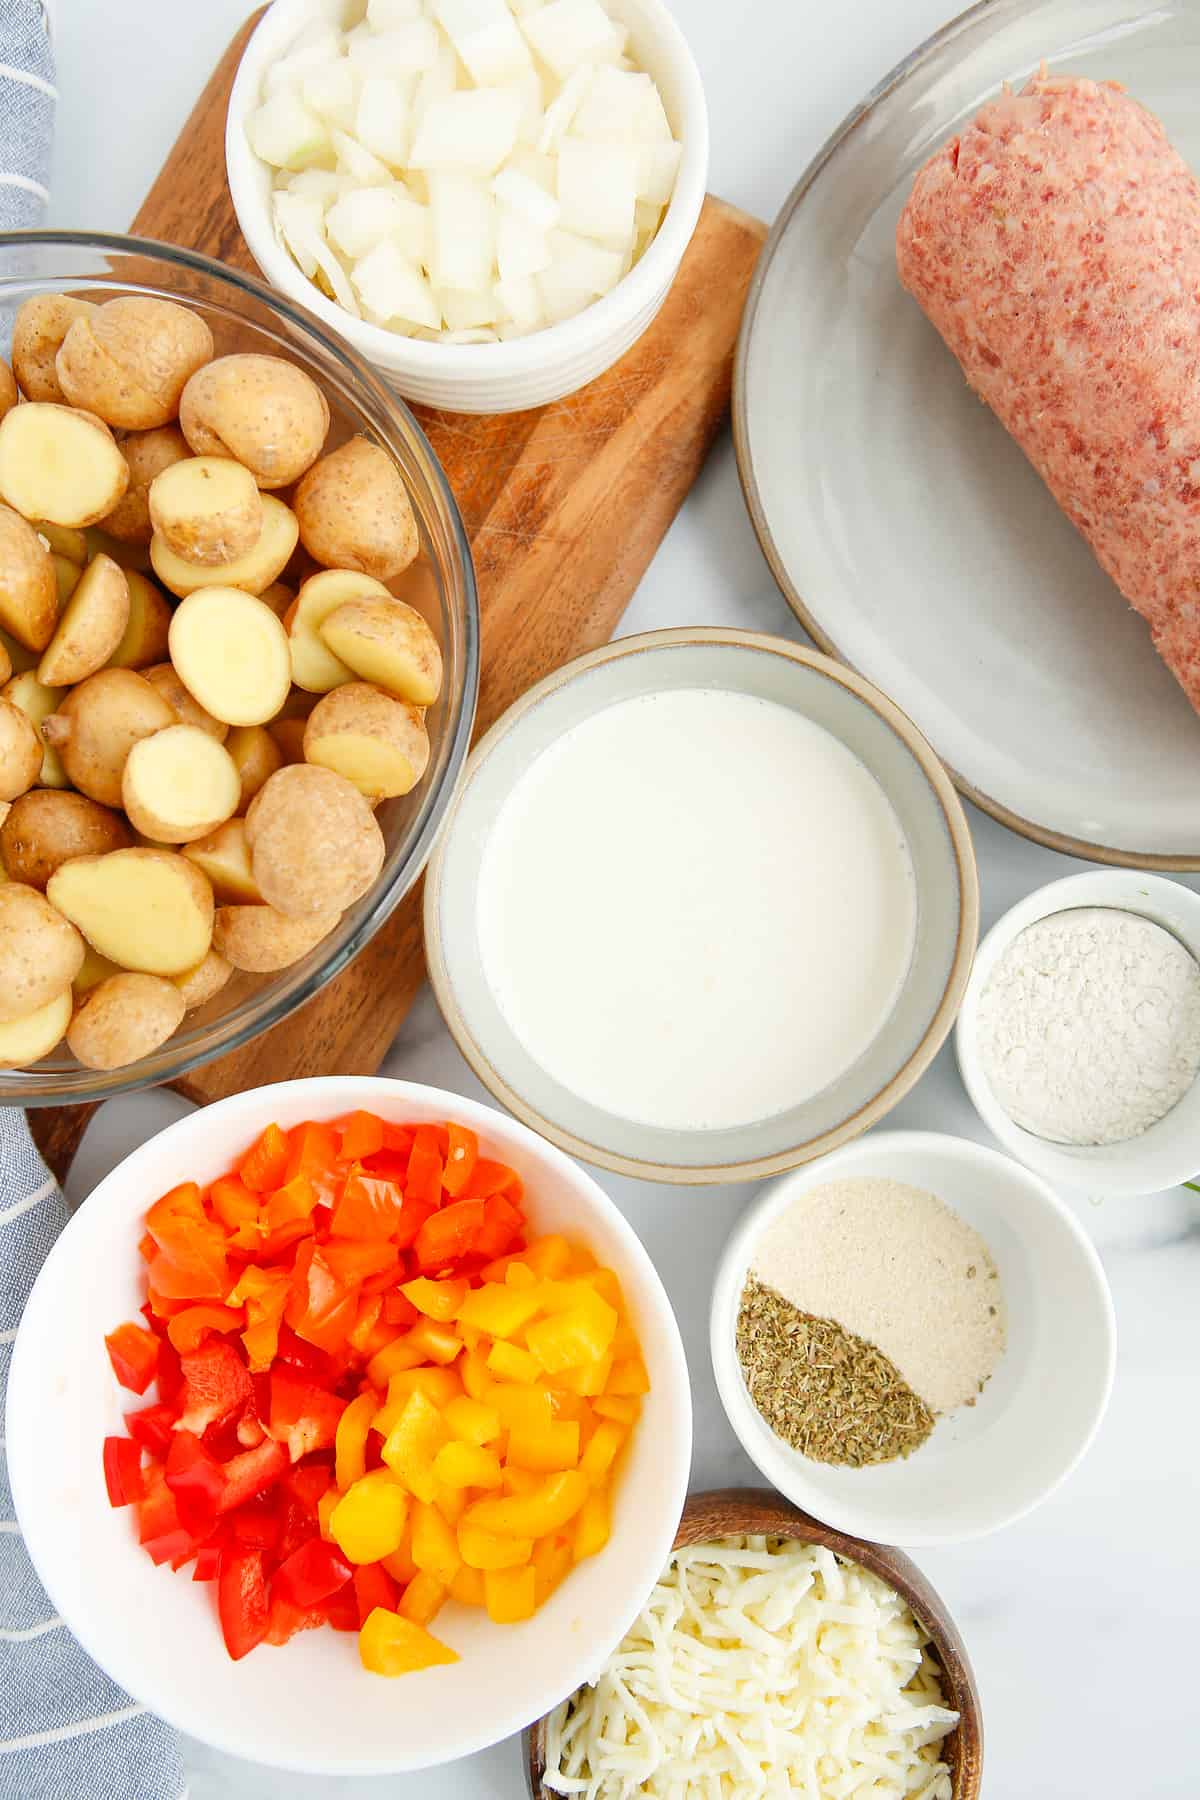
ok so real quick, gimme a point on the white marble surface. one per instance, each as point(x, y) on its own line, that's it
point(1080, 1620)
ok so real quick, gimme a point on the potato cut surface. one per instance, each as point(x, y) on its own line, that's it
point(91, 627)
point(231, 653)
point(255, 570)
point(147, 910)
point(314, 665)
point(27, 1040)
point(375, 741)
point(224, 856)
point(207, 509)
point(144, 640)
point(57, 464)
point(179, 784)
point(28, 586)
point(387, 642)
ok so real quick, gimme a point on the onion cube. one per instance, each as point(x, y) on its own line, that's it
point(521, 249)
point(521, 195)
point(383, 14)
point(654, 127)
point(486, 38)
point(464, 311)
point(391, 286)
point(321, 185)
point(316, 45)
point(472, 131)
point(533, 105)
point(658, 165)
point(531, 163)
point(579, 263)
point(435, 83)
point(597, 188)
point(518, 301)
point(332, 92)
point(360, 220)
point(613, 111)
point(357, 163)
point(383, 124)
point(569, 32)
point(298, 222)
point(406, 49)
point(462, 231)
point(563, 107)
point(286, 133)
point(560, 299)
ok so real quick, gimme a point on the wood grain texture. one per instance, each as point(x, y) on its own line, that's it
point(564, 507)
point(748, 1512)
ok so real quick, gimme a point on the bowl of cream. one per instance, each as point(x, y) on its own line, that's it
point(704, 907)
point(1079, 1035)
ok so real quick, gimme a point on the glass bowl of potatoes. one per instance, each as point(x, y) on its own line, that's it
point(239, 657)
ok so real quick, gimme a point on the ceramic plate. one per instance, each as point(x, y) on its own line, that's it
point(905, 527)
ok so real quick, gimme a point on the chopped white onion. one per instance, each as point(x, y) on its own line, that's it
point(331, 91)
point(521, 248)
point(569, 32)
point(391, 286)
point(383, 120)
point(286, 133)
point(526, 197)
point(472, 131)
point(597, 188)
point(485, 35)
point(462, 241)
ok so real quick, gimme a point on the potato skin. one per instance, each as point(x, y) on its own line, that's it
point(8, 388)
point(28, 585)
point(199, 984)
point(130, 361)
point(355, 513)
point(97, 726)
point(147, 630)
point(256, 756)
point(47, 827)
point(315, 846)
point(193, 523)
point(28, 1039)
point(124, 1018)
point(260, 940)
point(40, 952)
point(21, 752)
point(165, 679)
point(147, 453)
point(41, 324)
point(359, 710)
point(261, 410)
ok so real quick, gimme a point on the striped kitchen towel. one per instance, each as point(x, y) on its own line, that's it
point(27, 96)
point(66, 1731)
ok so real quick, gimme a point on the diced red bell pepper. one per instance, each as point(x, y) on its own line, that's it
point(252, 1472)
point(425, 1166)
point(353, 1263)
point(388, 1165)
point(197, 1480)
point(208, 1561)
point(258, 1525)
point(188, 1329)
point(133, 1353)
point(286, 1620)
point(303, 1415)
point(160, 1530)
point(341, 1609)
point(312, 1573)
point(373, 1587)
point(370, 1311)
point(488, 1178)
point(362, 1135)
point(448, 1235)
point(216, 1383)
point(322, 1310)
point(502, 1227)
point(233, 1202)
point(397, 1138)
point(264, 1165)
point(398, 1309)
point(242, 1600)
point(316, 1363)
point(462, 1154)
point(170, 1372)
point(123, 1471)
point(151, 1428)
point(278, 1246)
point(309, 1484)
point(369, 1208)
point(291, 1204)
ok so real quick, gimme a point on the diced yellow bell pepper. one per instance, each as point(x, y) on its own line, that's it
point(548, 1257)
point(451, 1502)
point(467, 1586)
point(511, 1363)
point(390, 1361)
point(602, 1450)
point(625, 1342)
point(439, 1386)
point(473, 1338)
point(437, 1343)
point(474, 1372)
point(350, 1445)
point(400, 1565)
point(554, 1447)
point(368, 1521)
point(412, 1444)
point(628, 1377)
point(391, 1645)
point(532, 1515)
point(434, 1544)
point(624, 1407)
point(460, 1465)
point(485, 1550)
point(520, 1481)
point(325, 1510)
point(579, 1334)
point(519, 1275)
point(472, 1421)
point(436, 1299)
point(589, 1378)
point(607, 1286)
point(510, 1594)
point(500, 1310)
point(423, 1598)
point(592, 1524)
point(517, 1405)
point(552, 1559)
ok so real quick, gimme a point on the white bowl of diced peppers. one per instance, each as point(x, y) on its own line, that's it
point(561, 178)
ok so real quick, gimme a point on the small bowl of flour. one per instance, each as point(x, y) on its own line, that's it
point(1079, 1037)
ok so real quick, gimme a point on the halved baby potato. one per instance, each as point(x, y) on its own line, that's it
point(124, 1017)
point(253, 571)
point(148, 910)
point(231, 653)
point(260, 940)
point(387, 642)
point(27, 1040)
point(91, 627)
point(314, 665)
point(144, 640)
point(59, 465)
point(207, 509)
point(224, 856)
point(377, 742)
point(178, 785)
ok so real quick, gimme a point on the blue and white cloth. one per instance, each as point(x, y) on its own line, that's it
point(66, 1731)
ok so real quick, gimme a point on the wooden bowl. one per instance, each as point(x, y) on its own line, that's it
point(748, 1512)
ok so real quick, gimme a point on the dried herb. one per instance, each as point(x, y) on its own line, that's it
point(827, 1393)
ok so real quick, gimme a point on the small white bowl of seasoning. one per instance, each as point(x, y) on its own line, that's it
point(913, 1338)
point(1079, 1035)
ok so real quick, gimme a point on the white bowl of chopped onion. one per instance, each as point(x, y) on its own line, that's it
point(489, 199)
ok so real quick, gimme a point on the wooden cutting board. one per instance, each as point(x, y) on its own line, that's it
point(564, 507)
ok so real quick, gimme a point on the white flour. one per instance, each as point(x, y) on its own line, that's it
point(1089, 1029)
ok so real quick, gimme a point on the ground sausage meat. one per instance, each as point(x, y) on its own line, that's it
point(1055, 245)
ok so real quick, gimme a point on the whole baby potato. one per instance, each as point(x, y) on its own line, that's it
point(97, 726)
point(130, 361)
point(315, 846)
point(260, 940)
point(124, 1018)
point(47, 827)
point(147, 453)
point(40, 953)
point(41, 324)
point(28, 584)
point(261, 410)
point(20, 752)
point(355, 513)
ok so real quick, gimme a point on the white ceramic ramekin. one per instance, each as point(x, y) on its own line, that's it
point(1163, 1156)
point(531, 371)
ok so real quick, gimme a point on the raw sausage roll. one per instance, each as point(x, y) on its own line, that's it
point(1055, 245)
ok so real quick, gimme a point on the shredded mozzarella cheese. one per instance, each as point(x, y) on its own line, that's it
point(760, 1667)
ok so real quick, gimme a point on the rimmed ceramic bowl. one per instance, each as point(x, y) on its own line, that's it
point(1163, 1156)
point(753, 1512)
point(986, 1465)
point(530, 371)
point(309, 1706)
point(929, 814)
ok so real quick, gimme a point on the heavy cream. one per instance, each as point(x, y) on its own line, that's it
point(696, 909)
